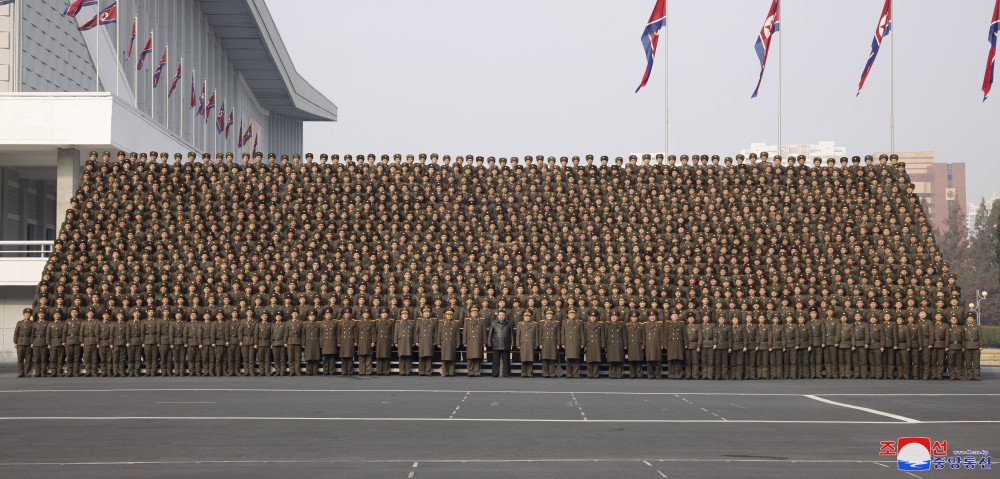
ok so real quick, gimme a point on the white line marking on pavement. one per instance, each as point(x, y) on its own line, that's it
point(185, 402)
point(453, 413)
point(865, 409)
point(577, 404)
point(434, 419)
point(647, 463)
point(410, 475)
point(451, 391)
point(912, 474)
point(880, 464)
point(661, 473)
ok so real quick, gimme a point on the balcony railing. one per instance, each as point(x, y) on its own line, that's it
point(25, 249)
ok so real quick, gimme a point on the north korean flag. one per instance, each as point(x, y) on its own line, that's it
point(106, 17)
point(994, 31)
point(74, 8)
point(146, 50)
point(209, 107)
point(131, 42)
point(177, 78)
point(159, 70)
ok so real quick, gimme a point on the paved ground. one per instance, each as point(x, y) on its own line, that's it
point(462, 427)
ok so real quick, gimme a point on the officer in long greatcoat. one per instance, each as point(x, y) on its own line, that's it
point(328, 341)
point(448, 331)
point(548, 338)
point(384, 334)
point(472, 338)
point(404, 342)
point(613, 341)
point(311, 343)
point(572, 343)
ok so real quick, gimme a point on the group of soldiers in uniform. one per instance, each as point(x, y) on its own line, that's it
point(241, 267)
point(726, 348)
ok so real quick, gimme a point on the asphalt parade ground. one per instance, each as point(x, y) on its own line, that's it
point(419, 427)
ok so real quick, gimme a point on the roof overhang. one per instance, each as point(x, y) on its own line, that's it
point(251, 40)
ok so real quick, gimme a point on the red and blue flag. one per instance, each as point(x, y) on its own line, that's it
point(772, 24)
point(651, 37)
point(994, 31)
point(131, 42)
point(106, 17)
point(146, 50)
point(159, 70)
point(209, 107)
point(177, 78)
point(883, 29)
point(74, 7)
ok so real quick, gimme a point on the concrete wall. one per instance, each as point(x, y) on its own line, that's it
point(13, 300)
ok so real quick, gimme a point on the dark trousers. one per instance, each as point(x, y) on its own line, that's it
point(56, 357)
point(382, 366)
point(39, 355)
point(280, 354)
point(23, 360)
point(500, 356)
point(329, 363)
point(264, 360)
point(405, 365)
point(549, 368)
point(474, 364)
point(294, 359)
point(346, 365)
point(90, 359)
point(73, 359)
point(426, 365)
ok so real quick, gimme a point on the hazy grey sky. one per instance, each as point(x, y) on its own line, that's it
point(556, 77)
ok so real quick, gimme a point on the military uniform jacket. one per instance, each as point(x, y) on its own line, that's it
point(22, 332)
point(526, 335)
point(926, 333)
point(366, 336)
point(830, 332)
point(448, 338)
point(165, 334)
point(39, 334)
point(347, 337)
point(246, 332)
point(803, 336)
point(776, 340)
point(707, 335)
point(654, 340)
point(636, 338)
point(192, 333)
point(425, 332)
point(592, 332)
point(915, 336)
point(55, 334)
point(738, 337)
point(940, 335)
point(404, 337)
point(692, 334)
point(310, 337)
point(860, 334)
point(955, 338)
point(888, 334)
point(135, 336)
point(279, 334)
point(675, 336)
point(902, 336)
point(971, 337)
point(845, 336)
point(219, 333)
point(472, 337)
point(293, 329)
point(614, 341)
point(176, 333)
point(789, 332)
point(384, 336)
point(262, 335)
point(105, 333)
point(90, 332)
point(205, 337)
point(815, 332)
point(119, 333)
point(72, 332)
point(723, 336)
point(548, 338)
point(572, 338)
point(328, 337)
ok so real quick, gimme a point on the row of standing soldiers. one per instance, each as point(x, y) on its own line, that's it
point(726, 348)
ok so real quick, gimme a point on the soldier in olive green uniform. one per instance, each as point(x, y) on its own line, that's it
point(722, 349)
point(22, 341)
point(293, 342)
point(926, 343)
point(262, 343)
point(939, 346)
point(738, 349)
point(347, 340)
point(971, 338)
point(572, 343)
point(163, 344)
point(653, 345)
point(150, 340)
point(366, 342)
point(548, 338)
point(192, 334)
point(385, 330)
point(860, 333)
point(674, 337)
point(119, 341)
point(328, 341)
point(844, 341)
point(247, 328)
point(403, 341)
point(55, 338)
point(90, 335)
point(220, 336)
point(592, 333)
point(425, 333)
point(803, 348)
point(72, 341)
point(916, 346)
point(448, 331)
point(39, 345)
point(902, 348)
point(956, 343)
point(526, 341)
point(134, 345)
point(874, 338)
point(707, 347)
point(635, 333)
point(311, 343)
point(177, 350)
point(205, 350)
point(614, 347)
point(830, 359)
point(279, 344)
point(692, 348)
point(816, 338)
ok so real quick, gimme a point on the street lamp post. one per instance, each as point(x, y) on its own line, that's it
point(980, 297)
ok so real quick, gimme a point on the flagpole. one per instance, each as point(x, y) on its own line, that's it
point(97, 56)
point(166, 101)
point(216, 143)
point(781, 35)
point(118, 53)
point(180, 115)
point(666, 80)
point(892, 80)
point(135, 69)
point(152, 92)
point(204, 138)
